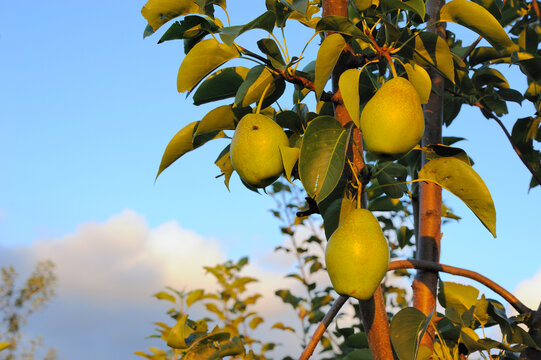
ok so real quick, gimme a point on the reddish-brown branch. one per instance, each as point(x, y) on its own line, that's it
point(437, 267)
point(323, 325)
point(536, 9)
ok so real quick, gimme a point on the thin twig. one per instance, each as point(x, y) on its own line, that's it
point(472, 47)
point(318, 334)
point(436, 267)
point(490, 115)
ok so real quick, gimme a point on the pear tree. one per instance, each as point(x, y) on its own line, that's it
point(363, 139)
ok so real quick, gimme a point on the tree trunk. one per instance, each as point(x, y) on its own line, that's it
point(429, 232)
point(374, 316)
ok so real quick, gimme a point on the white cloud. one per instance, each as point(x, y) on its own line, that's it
point(529, 291)
point(108, 271)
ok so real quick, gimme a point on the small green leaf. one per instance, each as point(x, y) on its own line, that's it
point(290, 155)
point(179, 333)
point(271, 49)
point(214, 346)
point(189, 27)
point(470, 338)
point(194, 295)
point(281, 326)
point(162, 295)
point(349, 88)
point(478, 19)
point(225, 165)
point(489, 76)
point(327, 57)
point(265, 22)
point(322, 157)
point(254, 323)
point(202, 59)
point(221, 85)
point(158, 12)
point(460, 179)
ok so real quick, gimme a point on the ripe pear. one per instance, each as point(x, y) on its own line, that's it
point(392, 122)
point(357, 255)
point(255, 150)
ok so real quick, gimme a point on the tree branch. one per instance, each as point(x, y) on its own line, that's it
point(323, 325)
point(436, 267)
point(490, 115)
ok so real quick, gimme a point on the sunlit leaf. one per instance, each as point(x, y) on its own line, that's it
point(4, 345)
point(221, 118)
point(478, 19)
point(252, 88)
point(420, 80)
point(349, 89)
point(431, 49)
point(202, 59)
point(327, 57)
point(265, 22)
point(194, 295)
point(322, 157)
point(342, 25)
point(290, 155)
point(254, 323)
point(179, 333)
point(158, 12)
point(417, 6)
point(162, 295)
point(191, 26)
point(271, 49)
point(458, 296)
point(460, 179)
point(214, 346)
point(281, 326)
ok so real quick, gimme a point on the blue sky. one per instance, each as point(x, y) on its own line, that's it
point(87, 107)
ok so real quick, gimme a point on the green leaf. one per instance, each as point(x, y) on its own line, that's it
point(432, 50)
point(252, 88)
point(327, 57)
point(158, 12)
point(288, 298)
point(531, 68)
point(221, 85)
point(190, 27)
point(460, 179)
point(322, 157)
point(202, 59)
point(335, 208)
point(359, 354)
point(179, 333)
point(357, 340)
point(290, 155)
point(296, 5)
point(226, 167)
point(458, 296)
point(342, 25)
point(215, 346)
point(349, 88)
point(478, 19)
point(392, 177)
point(417, 6)
point(406, 330)
point(162, 295)
point(488, 76)
point(265, 22)
point(271, 49)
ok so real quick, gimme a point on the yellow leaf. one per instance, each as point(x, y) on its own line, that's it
point(202, 59)
point(349, 88)
point(420, 80)
point(290, 155)
point(459, 178)
point(327, 56)
point(158, 12)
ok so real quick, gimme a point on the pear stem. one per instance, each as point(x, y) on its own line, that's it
point(262, 98)
point(391, 64)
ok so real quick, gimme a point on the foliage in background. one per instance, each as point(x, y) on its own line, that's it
point(17, 303)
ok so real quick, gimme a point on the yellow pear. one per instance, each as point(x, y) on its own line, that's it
point(357, 255)
point(255, 150)
point(392, 122)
